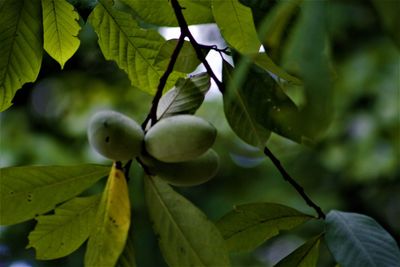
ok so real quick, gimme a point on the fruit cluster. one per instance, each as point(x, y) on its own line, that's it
point(176, 148)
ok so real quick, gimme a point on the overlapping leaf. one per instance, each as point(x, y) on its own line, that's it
point(248, 226)
point(26, 192)
point(127, 258)
point(61, 28)
point(21, 46)
point(132, 48)
point(110, 229)
point(59, 234)
point(304, 256)
point(185, 98)
point(186, 236)
point(389, 15)
point(357, 240)
point(161, 12)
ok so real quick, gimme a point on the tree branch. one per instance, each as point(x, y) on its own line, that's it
point(290, 180)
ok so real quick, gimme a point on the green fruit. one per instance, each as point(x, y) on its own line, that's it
point(115, 136)
point(179, 138)
point(187, 173)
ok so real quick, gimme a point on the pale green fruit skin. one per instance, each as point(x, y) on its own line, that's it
point(179, 138)
point(115, 136)
point(187, 173)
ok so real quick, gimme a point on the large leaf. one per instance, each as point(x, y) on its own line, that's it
point(134, 49)
point(186, 236)
point(389, 15)
point(21, 46)
point(60, 28)
point(59, 234)
point(187, 60)
point(235, 22)
point(110, 230)
point(304, 256)
point(127, 258)
point(248, 226)
point(357, 240)
point(185, 98)
point(26, 192)
point(161, 12)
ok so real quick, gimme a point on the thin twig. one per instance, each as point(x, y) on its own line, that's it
point(290, 180)
point(215, 48)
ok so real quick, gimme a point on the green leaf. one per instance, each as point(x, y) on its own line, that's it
point(33, 190)
point(110, 230)
point(248, 226)
point(20, 46)
point(187, 60)
point(161, 12)
point(185, 98)
point(132, 48)
point(238, 111)
point(235, 22)
point(60, 234)
point(304, 256)
point(186, 236)
point(388, 12)
point(60, 28)
point(127, 258)
point(357, 240)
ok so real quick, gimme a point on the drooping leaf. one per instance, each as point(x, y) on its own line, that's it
point(132, 48)
point(357, 240)
point(235, 22)
point(127, 258)
point(161, 12)
point(304, 256)
point(187, 59)
point(389, 15)
point(32, 190)
point(60, 28)
point(186, 236)
point(308, 56)
point(185, 98)
point(110, 230)
point(248, 226)
point(21, 46)
point(59, 234)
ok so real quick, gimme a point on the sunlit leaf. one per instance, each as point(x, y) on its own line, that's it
point(134, 49)
point(186, 236)
point(248, 226)
point(161, 12)
point(304, 256)
point(110, 230)
point(26, 192)
point(21, 46)
point(235, 22)
point(185, 98)
point(59, 234)
point(60, 28)
point(187, 60)
point(357, 240)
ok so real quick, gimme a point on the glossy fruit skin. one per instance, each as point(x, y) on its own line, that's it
point(179, 138)
point(115, 136)
point(187, 173)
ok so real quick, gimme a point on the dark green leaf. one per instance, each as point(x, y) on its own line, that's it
point(304, 256)
point(21, 46)
point(185, 98)
point(127, 258)
point(390, 19)
point(187, 60)
point(357, 240)
point(186, 236)
point(132, 48)
point(161, 12)
point(33, 190)
point(248, 226)
point(60, 234)
point(110, 230)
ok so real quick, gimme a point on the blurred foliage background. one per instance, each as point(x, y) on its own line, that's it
point(355, 166)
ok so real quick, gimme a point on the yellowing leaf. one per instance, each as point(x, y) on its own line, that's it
point(110, 230)
point(20, 46)
point(59, 234)
point(60, 28)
